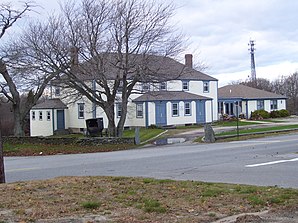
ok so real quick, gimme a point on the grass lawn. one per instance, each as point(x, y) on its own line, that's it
point(244, 131)
point(12, 149)
point(121, 199)
point(234, 123)
point(145, 134)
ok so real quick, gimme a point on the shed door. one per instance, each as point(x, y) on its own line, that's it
point(161, 113)
point(60, 119)
point(200, 111)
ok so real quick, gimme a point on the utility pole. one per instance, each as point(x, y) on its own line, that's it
point(252, 60)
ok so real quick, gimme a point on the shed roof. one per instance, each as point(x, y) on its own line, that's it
point(245, 92)
point(54, 103)
point(169, 96)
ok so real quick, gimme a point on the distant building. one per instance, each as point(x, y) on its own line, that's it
point(249, 99)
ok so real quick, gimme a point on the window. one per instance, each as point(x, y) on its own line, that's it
point(187, 108)
point(81, 109)
point(48, 116)
point(163, 86)
point(273, 104)
point(146, 87)
point(119, 109)
point(33, 115)
point(260, 104)
point(185, 85)
point(40, 115)
point(206, 86)
point(175, 109)
point(57, 91)
point(139, 110)
point(120, 87)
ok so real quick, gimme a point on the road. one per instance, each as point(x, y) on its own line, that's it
point(267, 161)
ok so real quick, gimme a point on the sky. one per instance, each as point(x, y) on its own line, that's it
point(219, 32)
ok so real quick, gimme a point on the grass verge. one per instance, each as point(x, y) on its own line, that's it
point(122, 199)
point(245, 131)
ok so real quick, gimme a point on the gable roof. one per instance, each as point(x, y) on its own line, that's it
point(54, 103)
point(169, 96)
point(154, 66)
point(244, 92)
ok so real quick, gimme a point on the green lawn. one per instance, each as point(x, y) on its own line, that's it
point(145, 134)
point(234, 123)
point(244, 131)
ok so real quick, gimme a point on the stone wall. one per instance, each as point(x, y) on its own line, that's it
point(68, 141)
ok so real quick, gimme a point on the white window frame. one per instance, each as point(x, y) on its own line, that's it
point(33, 115)
point(206, 86)
point(40, 115)
point(185, 85)
point(175, 109)
point(139, 110)
point(163, 86)
point(187, 108)
point(48, 116)
point(119, 109)
point(273, 104)
point(57, 91)
point(145, 87)
point(81, 110)
point(260, 104)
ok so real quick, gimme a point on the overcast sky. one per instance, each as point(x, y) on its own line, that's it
point(219, 32)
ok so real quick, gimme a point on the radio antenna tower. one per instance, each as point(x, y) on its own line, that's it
point(252, 59)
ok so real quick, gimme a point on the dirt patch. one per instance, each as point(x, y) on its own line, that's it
point(121, 199)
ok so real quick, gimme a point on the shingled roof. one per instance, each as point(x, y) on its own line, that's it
point(244, 92)
point(169, 96)
point(152, 66)
point(54, 103)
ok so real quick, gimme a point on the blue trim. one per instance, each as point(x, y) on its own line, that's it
point(146, 115)
point(190, 108)
point(201, 111)
point(246, 101)
point(53, 120)
point(161, 113)
point(142, 104)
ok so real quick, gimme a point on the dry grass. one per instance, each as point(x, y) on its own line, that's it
point(121, 199)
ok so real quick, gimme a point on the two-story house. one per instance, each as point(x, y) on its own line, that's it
point(187, 96)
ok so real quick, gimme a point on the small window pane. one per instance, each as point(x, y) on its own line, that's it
point(40, 115)
point(139, 110)
point(146, 87)
point(119, 108)
point(206, 86)
point(187, 108)
point(57, 91)
point(185, 85)
point(48, 115)
point(33, 115)
point(81, 108)
point(163, 86)
point(175, 110)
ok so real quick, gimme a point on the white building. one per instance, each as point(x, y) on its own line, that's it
point(187, 96)
point(249, 100)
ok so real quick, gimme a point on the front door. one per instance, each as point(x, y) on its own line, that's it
point(160, 113)
point(60, 120)
point(200, 111)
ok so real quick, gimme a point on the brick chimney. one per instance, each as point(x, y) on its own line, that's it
point(188, 60)
point(74, 56)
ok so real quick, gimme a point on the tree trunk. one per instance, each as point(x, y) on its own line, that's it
point(18, 122)
point(109, 111)
point(2, 173)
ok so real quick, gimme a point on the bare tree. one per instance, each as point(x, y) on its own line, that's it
point(113, 46)
point(8, 17)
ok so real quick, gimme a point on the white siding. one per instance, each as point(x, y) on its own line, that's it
point(42, 127)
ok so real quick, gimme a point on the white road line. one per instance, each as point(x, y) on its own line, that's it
point(21, 169)
point(271, 163)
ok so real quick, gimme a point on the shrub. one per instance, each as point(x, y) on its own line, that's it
point(284, 113)
point(279, 113)
point(275, 114)
point(260, 114)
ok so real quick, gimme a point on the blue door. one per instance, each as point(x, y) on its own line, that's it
point(60, 120)
point(200, 111)
point(160, 113)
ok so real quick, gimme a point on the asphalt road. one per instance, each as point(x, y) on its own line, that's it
point(268, 161)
